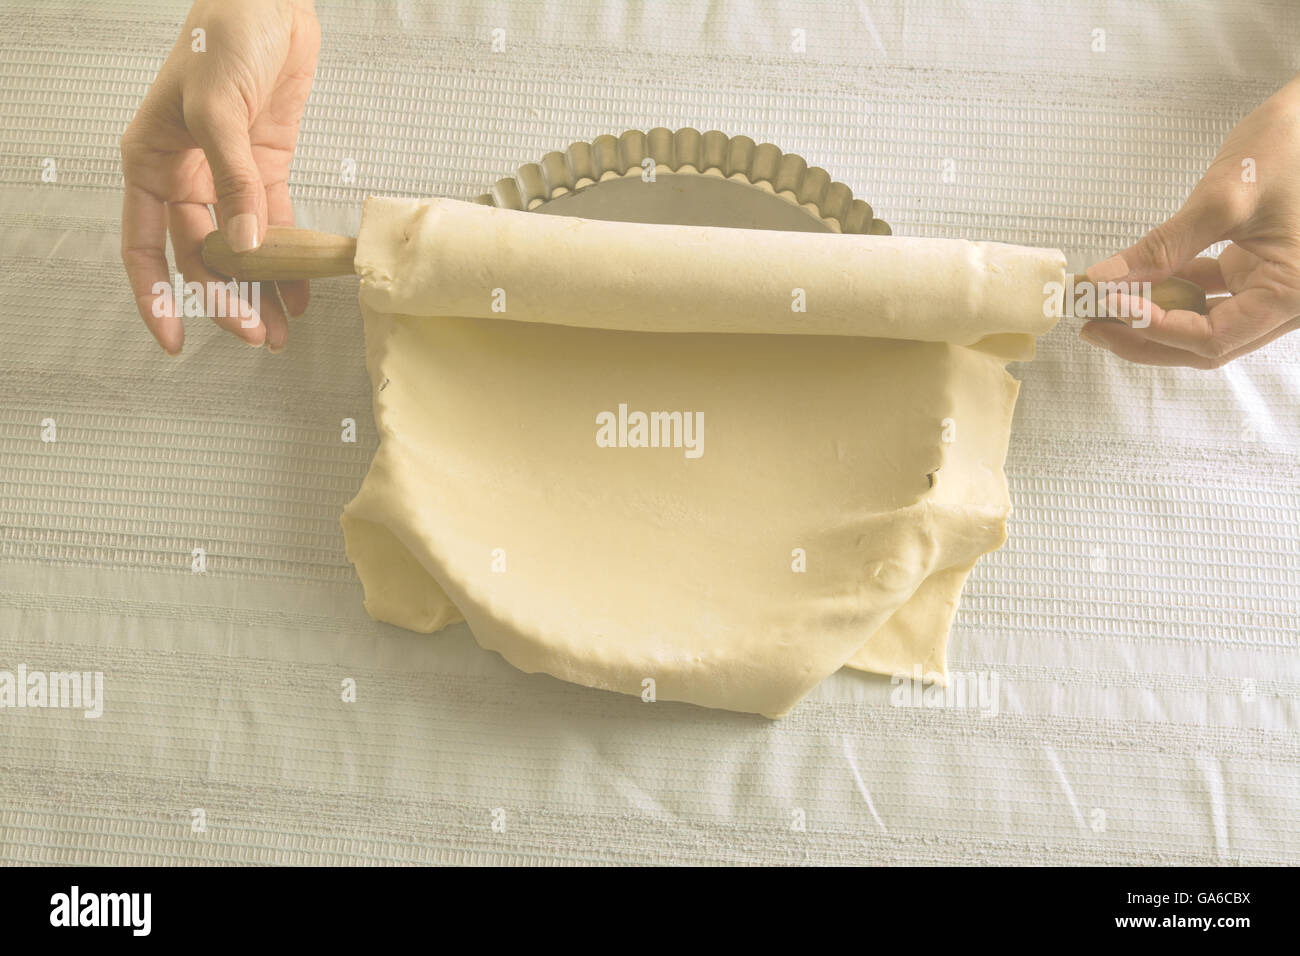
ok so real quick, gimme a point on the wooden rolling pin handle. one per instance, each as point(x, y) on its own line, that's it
point(1170, 294)
point(1174, 293)
point(285, 253)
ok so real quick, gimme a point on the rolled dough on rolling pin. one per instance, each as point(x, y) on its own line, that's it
point(442, 257)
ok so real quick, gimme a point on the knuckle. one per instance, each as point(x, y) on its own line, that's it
point(1227, 204)
point(130, 147)
point(1216, 362)
point(206, 100)
point(1217, 352)
point(235, 183)
point(201, 101)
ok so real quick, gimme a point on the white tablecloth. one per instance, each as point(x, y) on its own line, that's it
point(1142, 619)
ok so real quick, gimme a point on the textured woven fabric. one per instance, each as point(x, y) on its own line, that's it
point(1142, 620)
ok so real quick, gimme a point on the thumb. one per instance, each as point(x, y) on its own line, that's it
point(241, 197)
point(1199, 223)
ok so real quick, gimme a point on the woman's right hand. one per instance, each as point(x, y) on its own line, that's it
point(218, 127)
point(1250, 195)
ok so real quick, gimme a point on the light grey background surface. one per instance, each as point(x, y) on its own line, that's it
point(1142, 619)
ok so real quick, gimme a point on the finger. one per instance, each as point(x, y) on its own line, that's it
point(1232, 323)
point(144, 254)
point(1171, 356)
point(1237, 265)
point(1251, 316)
point(219, 124)
point(1206, 217)
point(1289, 326)
point(268, 308)
point(273, 317)
point(190, 224)
point(295, 294)
point(1206, 272)
point(1128, 344)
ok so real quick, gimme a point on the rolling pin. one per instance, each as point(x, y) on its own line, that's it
point(441, 241)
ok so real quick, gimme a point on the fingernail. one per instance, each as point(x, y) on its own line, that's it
point(241, 232)
point(1108, 270)
point(275, 349)
point(1091, 337)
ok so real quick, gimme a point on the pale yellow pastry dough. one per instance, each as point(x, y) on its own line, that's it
point(490, 499)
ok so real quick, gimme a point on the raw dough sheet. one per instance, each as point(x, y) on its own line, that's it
point(851, 476)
